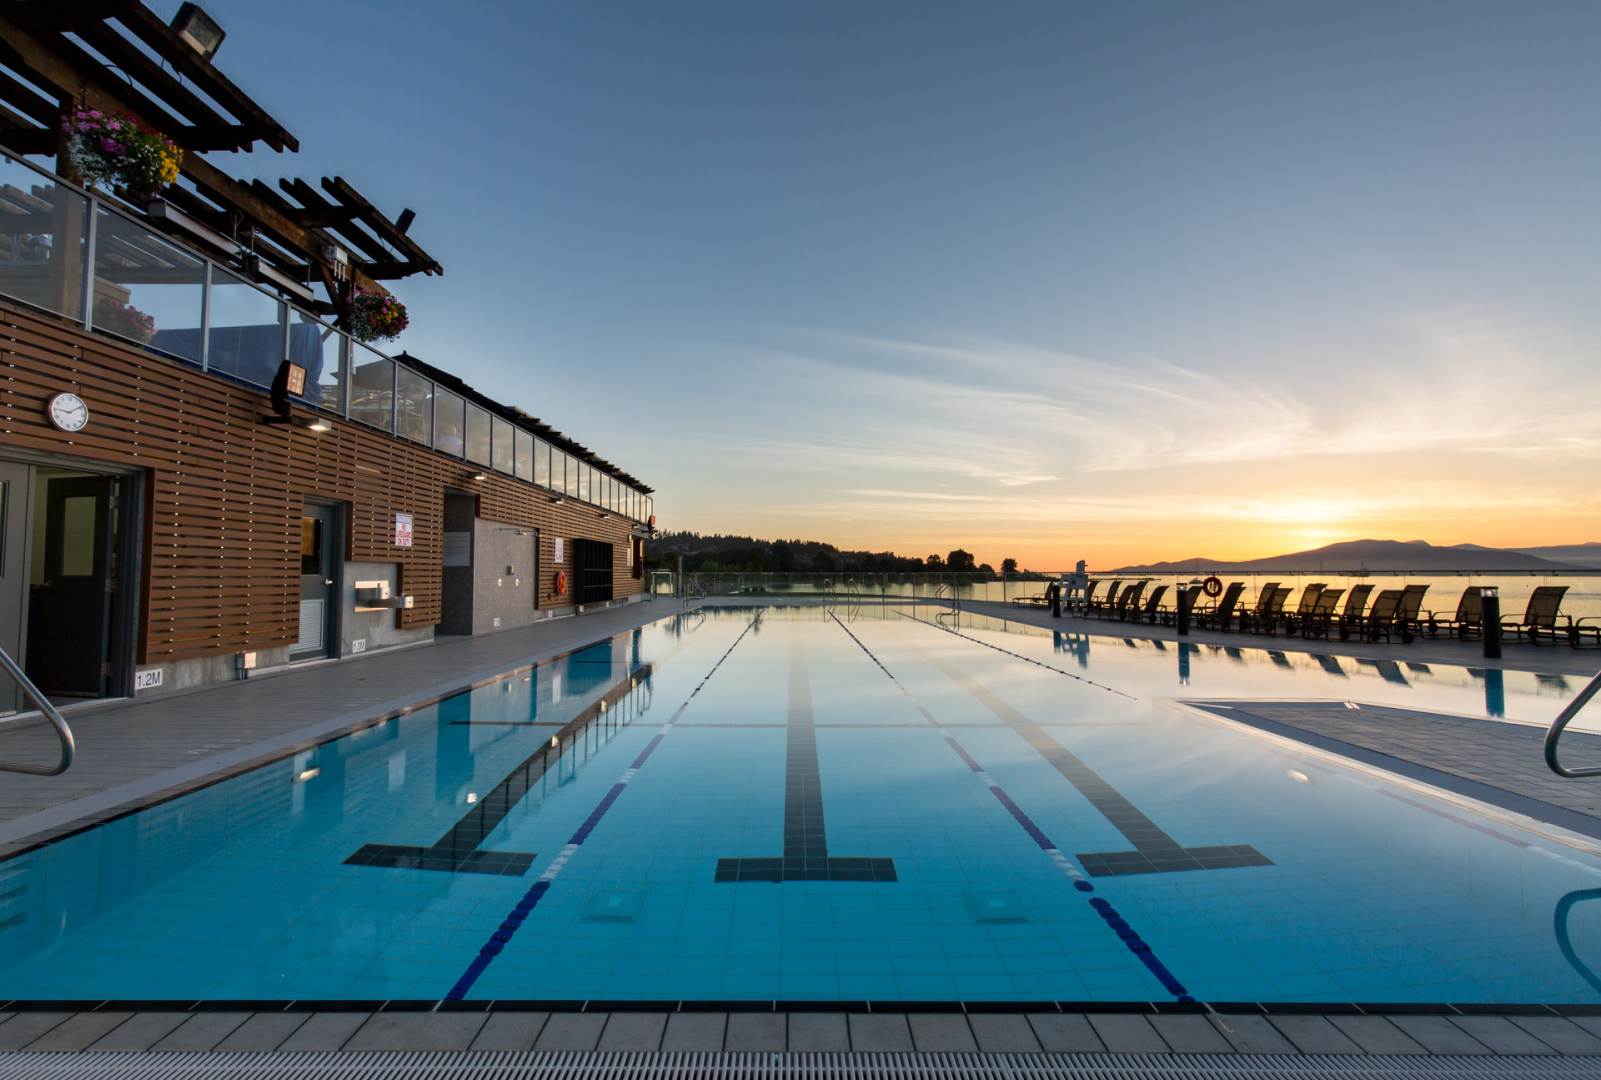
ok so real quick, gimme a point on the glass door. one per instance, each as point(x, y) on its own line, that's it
point(72, 583)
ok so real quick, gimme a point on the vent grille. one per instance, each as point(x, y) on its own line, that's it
point(725, 1066)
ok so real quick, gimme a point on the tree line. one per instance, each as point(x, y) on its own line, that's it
point(719, 553)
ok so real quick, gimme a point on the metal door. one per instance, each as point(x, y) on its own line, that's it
point(318, 528)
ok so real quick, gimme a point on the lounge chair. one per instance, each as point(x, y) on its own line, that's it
point(1268, 611)
point(1587, 627)
point(1542, 616)
point(1408, 614)
point(1221, 614)
point(1469, 617)
point(1355, 605)
point(1094, 607)
point(1321, 617)
point(1264, 597)
point(1152, 611)
point(1309, 598)
point(1089, 595)
point(1130, 601)
point(1383, 619)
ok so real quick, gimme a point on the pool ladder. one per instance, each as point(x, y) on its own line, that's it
point(69, 745)
point(1554, 735)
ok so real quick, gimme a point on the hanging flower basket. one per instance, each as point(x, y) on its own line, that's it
point(118, 151)
point(124, 320)
point(376, 316)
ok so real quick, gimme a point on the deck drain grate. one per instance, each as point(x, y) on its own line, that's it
point(727, 1066)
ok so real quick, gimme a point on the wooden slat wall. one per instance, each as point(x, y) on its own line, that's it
point(226, 491)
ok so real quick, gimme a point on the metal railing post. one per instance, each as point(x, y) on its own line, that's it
point(1554, 735)
point(92, 208)
point(69, 745)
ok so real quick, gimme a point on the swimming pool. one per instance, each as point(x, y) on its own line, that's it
point(806, 804)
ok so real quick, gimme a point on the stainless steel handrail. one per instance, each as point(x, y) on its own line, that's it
point(1580, 700)
point(69, 745)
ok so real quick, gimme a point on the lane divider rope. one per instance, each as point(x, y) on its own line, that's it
point(1015, 656)
point(519, 914)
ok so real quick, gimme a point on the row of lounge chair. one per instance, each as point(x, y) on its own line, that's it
point(1321, 612)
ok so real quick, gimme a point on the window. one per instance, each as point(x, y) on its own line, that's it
point(414, 409)
point(501, 449)
point(372, 389)
point(525, 455)
point(542, 463)
point(450, 423)
point(477, 435)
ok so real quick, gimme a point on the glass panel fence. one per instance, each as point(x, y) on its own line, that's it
point(246, 338)
point(477, 435)
point(319, 349)
point(414, 407)
point(450, 423)
point(541, 463)
point(43, 226)
point(500, 453)
point(372, 389)
point(146, 290)
point(571, 482)
point(525, 455)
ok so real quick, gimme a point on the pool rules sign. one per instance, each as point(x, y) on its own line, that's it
point(403, 530)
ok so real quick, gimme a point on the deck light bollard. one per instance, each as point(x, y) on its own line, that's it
point(1490, 620)
point(1186, 598)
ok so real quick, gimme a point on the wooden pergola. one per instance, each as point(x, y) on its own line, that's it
point(118, 56)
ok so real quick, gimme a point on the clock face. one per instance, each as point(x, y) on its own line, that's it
point(68, 412)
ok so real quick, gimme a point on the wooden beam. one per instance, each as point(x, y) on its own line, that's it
point(170, 47)
point(133, 60)
point(32, 104)
point(380, 224)
point(20, 137)
point(352, 236)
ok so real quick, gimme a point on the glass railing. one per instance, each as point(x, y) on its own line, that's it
point(72, 253)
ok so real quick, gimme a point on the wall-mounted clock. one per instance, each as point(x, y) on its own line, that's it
point(68, 412)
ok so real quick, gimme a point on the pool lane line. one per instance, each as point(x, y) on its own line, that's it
point(1016, 656)
point(1154, 851)
point(805, 855)
point(1115, 922)
point(519, 914)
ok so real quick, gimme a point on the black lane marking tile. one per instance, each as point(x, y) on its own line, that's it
point(457, 851)
point(805, 856)
point(1155, 852)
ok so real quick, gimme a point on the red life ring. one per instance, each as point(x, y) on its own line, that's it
point(561, 583)
point(1212, 586)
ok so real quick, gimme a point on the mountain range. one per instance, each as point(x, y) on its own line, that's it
point(1414, 555)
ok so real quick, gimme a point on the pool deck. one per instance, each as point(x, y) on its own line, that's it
point(139, 752)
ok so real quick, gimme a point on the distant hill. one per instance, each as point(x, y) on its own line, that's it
point(1354, 555)
point(1586, 555)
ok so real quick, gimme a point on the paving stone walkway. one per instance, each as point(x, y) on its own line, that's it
point(1352, 1032)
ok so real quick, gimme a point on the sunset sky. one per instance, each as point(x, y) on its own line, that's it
point(1054, 281)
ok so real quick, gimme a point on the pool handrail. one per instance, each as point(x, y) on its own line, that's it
point(1554, 735)
point(69, 745)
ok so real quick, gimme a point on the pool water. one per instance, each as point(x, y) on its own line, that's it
point(804, 804)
